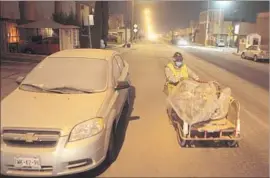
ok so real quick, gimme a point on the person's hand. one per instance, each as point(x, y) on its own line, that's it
point(201, 81)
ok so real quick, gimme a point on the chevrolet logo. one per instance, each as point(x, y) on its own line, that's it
point(30, 137)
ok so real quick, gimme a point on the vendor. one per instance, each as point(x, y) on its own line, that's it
point(176, 71)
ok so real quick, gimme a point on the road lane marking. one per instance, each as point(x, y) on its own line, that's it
point(255, 118)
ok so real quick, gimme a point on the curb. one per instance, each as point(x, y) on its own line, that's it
point(10, 57)
point(114, 47)
point(236, 54)
point(24, 60)
point(10, 60)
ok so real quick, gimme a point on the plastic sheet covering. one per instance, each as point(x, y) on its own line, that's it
point(198, 102)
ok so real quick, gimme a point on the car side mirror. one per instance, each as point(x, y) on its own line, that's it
point(19, 80)
point(122, 85)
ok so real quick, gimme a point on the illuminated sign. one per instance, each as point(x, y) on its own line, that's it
point(236, 29)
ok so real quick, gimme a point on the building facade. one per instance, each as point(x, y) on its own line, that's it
point(216, 26)
point(262, 27)
point(116, 21)
point(13, 13)
point(83, 9)
point(9, 34)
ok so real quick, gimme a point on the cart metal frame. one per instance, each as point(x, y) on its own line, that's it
point(230, 135)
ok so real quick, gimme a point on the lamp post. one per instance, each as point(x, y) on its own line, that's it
point(126, 24)
point(132, 20)
point(222, 5)
point(207, 23)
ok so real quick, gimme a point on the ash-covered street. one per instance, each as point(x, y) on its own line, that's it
point(150, 147)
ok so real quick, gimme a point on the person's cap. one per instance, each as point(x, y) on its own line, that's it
point(178, 56)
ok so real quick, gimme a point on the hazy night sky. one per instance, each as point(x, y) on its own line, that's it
point(177, 14)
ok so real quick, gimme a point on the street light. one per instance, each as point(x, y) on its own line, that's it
point(222, 5)
point(146, 11)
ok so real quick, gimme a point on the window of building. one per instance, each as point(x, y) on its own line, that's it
point(13, 33)
point(46, 32)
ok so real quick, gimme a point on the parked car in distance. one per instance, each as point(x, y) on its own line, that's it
point(45, 46)
point(62, 118)
point(221, 43)
point(112, 37)
point(256, 53)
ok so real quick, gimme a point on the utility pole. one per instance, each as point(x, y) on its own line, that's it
point(89, 36)
point(90, 22)
point(126, 23)
point(207, 23)
point(132, 21)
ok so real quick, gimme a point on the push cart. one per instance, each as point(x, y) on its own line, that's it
point(226, 130)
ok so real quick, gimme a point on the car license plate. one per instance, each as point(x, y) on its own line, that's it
point(32, 163)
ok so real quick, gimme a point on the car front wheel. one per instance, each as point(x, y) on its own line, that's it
point(255, 58)
point(243, 56)
point(29, 51)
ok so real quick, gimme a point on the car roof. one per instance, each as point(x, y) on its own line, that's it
point(85, 53)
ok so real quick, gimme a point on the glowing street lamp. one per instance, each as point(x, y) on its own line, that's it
point(146, 11)
point(223, 3)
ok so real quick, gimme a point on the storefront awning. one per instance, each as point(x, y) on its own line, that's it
point(48, 23)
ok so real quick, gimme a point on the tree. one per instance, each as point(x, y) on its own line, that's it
point(65, 19)
point(105, 20)
point(97, 28)
point(101, 27)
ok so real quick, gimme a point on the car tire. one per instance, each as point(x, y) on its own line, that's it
point(255, 58)
point(111, 153)
point(243, 56)
point(29, 51)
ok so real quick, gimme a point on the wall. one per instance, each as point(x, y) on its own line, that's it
point(83, 9)
point(9, 9)
point(214, 16)
point(3, 37)
point(221, 29)
point(39, 10)
point(246, 28)
point(200, 37)
point(116, 21)
point(82, 12)
point(44, 9)
point(262, 27)
point(65, 6)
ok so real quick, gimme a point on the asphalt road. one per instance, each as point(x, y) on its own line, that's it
point(257, 73)
point(149, 147)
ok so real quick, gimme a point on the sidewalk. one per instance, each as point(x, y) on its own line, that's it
point(114, 46)
point(34, 58)
point(21, 57)
point(237, 54)
point(121, 49)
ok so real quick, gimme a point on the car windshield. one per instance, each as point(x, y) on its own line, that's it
point(67, 75)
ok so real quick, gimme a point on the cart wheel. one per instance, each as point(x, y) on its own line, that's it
point(232, 143)
point(182, 142)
